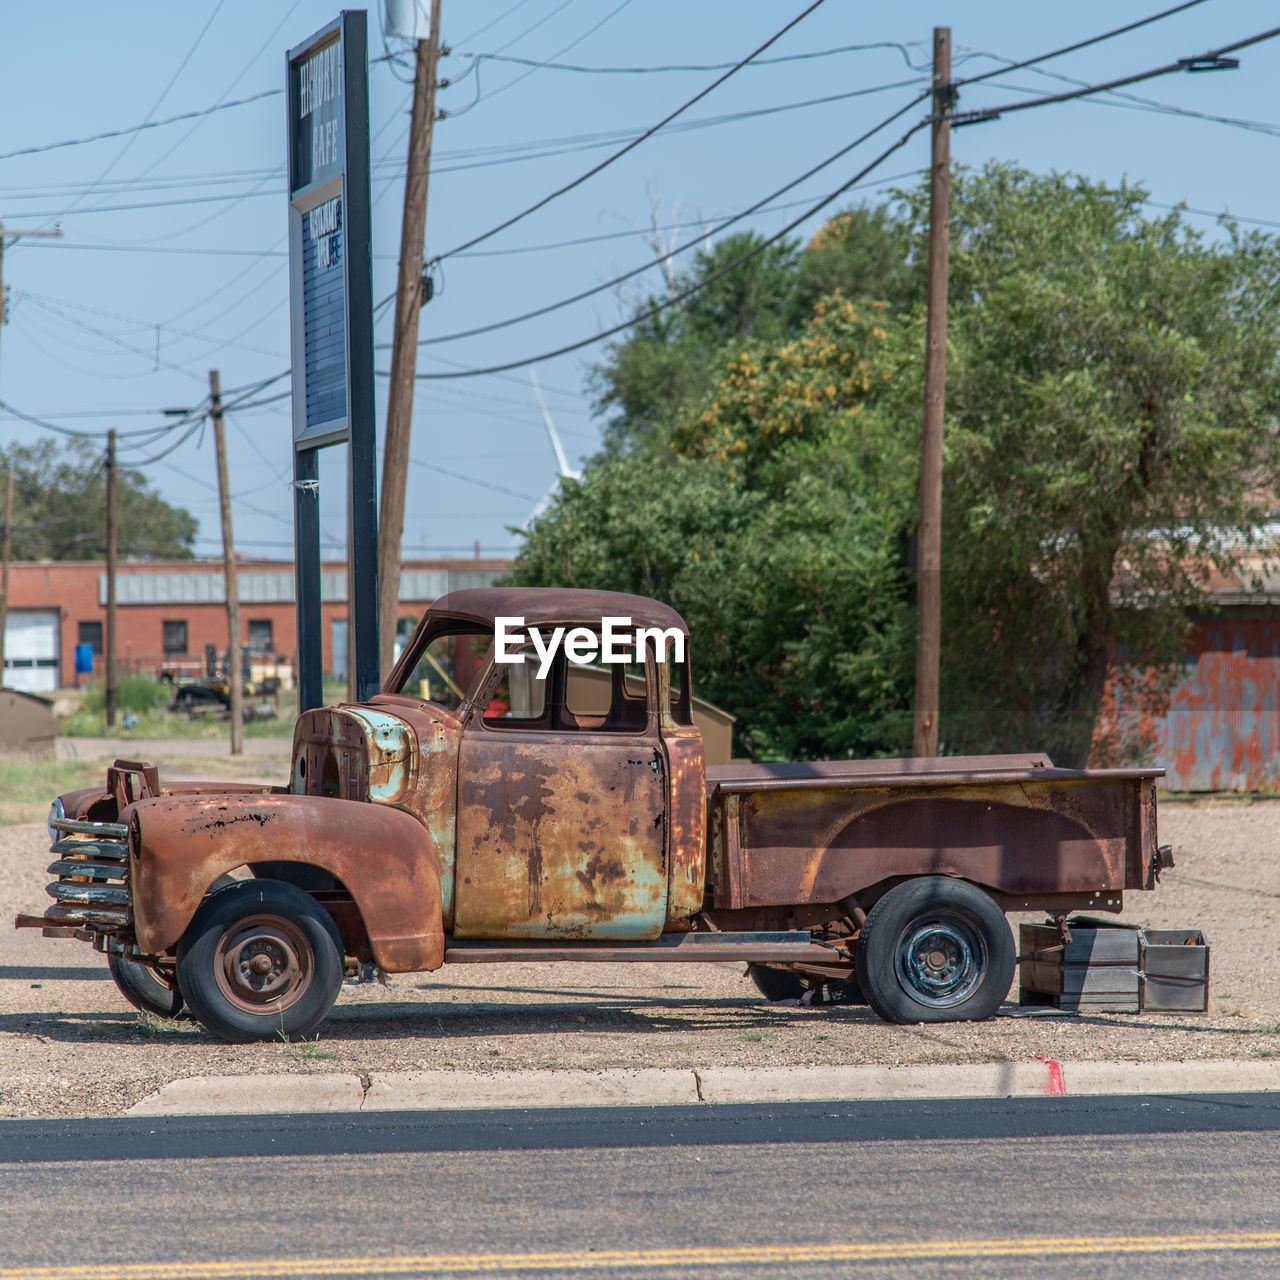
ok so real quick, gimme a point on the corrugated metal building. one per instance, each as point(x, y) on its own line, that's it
point(1221, 728)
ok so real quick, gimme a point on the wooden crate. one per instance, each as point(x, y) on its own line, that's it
point(1097, 971)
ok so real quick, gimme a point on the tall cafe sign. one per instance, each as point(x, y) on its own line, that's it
point(331, 320)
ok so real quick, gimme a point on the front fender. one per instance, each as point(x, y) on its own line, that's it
point(179, 845)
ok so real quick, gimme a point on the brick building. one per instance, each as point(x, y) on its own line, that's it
point(168, 611)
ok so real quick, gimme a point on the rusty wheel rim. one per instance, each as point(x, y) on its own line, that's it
point(942, 960)
point(263, 964)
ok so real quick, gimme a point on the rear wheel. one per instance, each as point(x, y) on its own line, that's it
point(935, 950)
point(146, 987)
point(260, 960)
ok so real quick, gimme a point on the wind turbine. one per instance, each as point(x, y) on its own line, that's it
point(563, 470)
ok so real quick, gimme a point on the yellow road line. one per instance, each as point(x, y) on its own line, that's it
point(607, 1259)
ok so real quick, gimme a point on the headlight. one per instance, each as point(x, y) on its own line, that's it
point(56, 813)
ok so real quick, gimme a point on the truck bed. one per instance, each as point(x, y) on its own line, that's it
point(1034, 836)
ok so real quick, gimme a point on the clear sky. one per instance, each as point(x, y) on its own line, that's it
point(174, 257)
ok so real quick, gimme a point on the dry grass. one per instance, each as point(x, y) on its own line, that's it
point(28, 785)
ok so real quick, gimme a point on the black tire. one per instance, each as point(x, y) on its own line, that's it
point(777, 984)
point(935, 950)
point(146, 987)
point(260, 960)
point(782, 984)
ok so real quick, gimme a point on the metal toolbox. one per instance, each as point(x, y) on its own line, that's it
point(1113, 968)
point(1175, 970)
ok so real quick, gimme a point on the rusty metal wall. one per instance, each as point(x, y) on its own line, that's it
point(1221, 731)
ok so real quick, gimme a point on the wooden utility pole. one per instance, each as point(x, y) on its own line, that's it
point(5, 549)
point(929, 535)
point(10, 234)
point(404, 346)
point(235, 675)
point(111, 578)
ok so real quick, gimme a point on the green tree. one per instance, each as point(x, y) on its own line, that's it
point(669, 360)
point(772, 516)
point(1111, 432)
point(60, 506)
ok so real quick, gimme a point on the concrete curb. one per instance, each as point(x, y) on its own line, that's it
point(659, 1086)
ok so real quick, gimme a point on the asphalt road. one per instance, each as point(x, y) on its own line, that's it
point(1133, 1187)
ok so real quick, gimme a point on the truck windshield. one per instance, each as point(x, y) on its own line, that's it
point(446, 667)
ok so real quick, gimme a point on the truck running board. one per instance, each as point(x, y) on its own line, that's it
point(787, 947)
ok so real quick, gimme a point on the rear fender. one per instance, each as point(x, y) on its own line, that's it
point(179, 845)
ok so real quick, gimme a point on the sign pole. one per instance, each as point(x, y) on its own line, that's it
point(331, 320)
point(362, 450)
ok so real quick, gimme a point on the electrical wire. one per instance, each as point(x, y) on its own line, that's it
point(483, 484)
point(138, 128)
point(693, 244)
point(1135, 102)
point(45, 424)
point(697, 287)
point(155, 106)
point(1082, 44)
point(702, 66)
point(993, 113)
point(475, 66)
point(519, 4)
point(109, 337)
point(648, 133)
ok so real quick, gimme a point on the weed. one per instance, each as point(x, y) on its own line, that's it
point(304, 1049)
point(754, 1037)
point(151, 1025)
point(1266, 1053)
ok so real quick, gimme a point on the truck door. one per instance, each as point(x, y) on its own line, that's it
point(561, 810)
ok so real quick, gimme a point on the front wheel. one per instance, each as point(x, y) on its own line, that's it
point(935, 950)
point(260, 960)
point(146, 987)
point(782, 984)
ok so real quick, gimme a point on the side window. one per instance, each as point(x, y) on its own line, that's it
point(608, 699)
point(520, 698)
point(681, 696)
point(446, 667)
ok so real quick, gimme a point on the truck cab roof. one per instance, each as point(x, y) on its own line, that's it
point(536, 605)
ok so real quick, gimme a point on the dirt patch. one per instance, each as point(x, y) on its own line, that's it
point(70, 1045)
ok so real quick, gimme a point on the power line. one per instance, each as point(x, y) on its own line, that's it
point(648, 266)
point(475, 66)
point(488, 157)
point(678, 298)
point(149, 432)
point(138, 128)
point(1128, 101)
point(519, 4)
point(483, 484)
point(45, 305)
point(1081, 44)
point(155, 106)
point(648, 133)
point(993, 113)
point(699, 66)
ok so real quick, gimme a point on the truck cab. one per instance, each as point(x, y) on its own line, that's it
point(547, 818)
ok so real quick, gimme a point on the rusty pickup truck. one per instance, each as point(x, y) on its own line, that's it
point(478, 810)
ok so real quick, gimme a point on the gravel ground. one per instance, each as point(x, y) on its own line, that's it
point(70, 1045)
